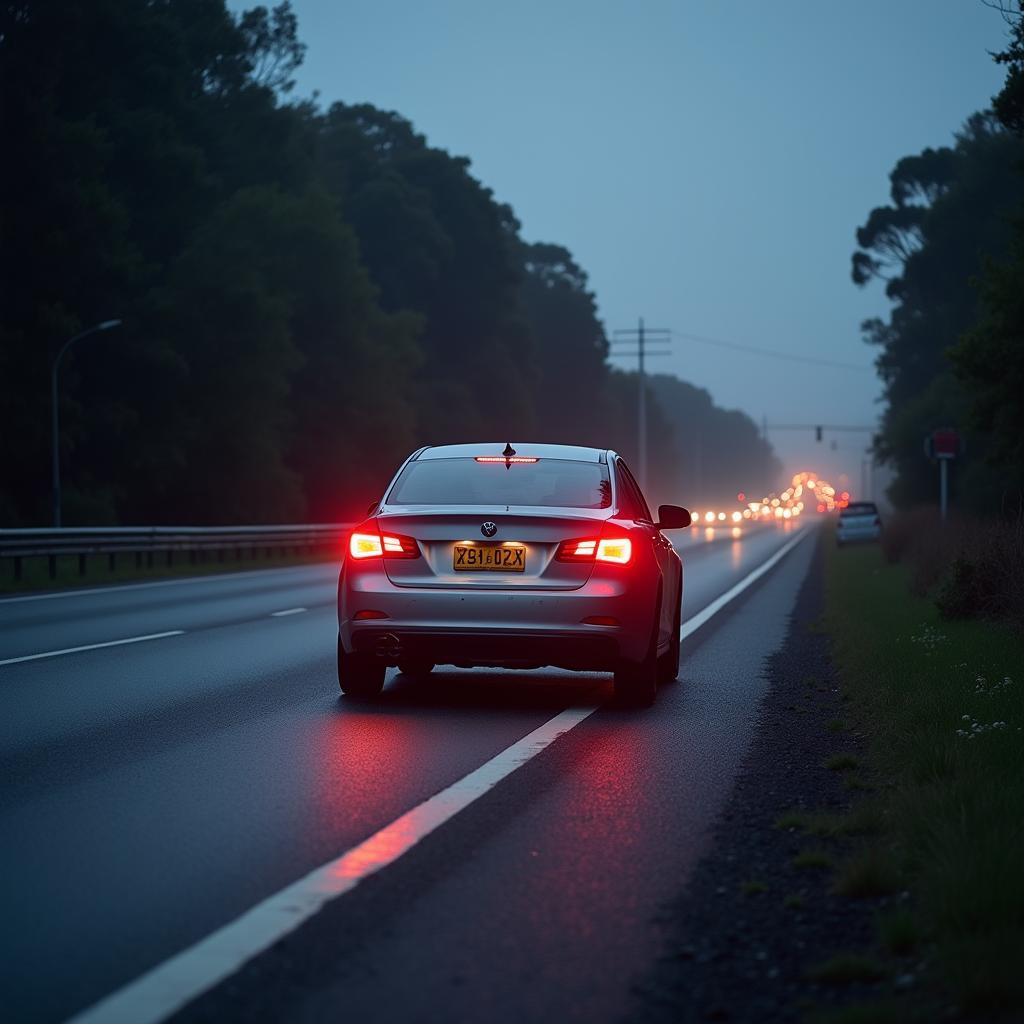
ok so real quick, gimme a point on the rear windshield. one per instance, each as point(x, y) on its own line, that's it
point(860, 508)
point(558, 483)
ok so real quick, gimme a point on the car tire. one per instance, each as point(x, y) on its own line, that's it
point(416, 668)
point(668, 663)
point(359, 675)
point(636, 683)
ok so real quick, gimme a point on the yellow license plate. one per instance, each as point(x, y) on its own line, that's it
point(489, 558)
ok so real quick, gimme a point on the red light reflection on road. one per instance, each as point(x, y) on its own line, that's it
point(378, 850)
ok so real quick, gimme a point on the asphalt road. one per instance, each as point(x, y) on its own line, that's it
point(155, 790)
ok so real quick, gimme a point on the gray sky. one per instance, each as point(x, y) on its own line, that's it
point(706, 163)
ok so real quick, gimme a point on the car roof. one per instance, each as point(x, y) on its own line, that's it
point(570, 452)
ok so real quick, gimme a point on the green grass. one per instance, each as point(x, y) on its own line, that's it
point(842, 763)
point(753, 887)
point(814, 858)
point(845, 968)
point(35, 571)
point(867, 874)
point(836, 725)
point(952, 804)
point(792, 819)
point(899, 931)
point(883, 1012)
point(793, 901)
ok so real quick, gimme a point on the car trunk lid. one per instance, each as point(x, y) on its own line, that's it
point(447, 537)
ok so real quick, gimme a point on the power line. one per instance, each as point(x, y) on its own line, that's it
point(772, 353)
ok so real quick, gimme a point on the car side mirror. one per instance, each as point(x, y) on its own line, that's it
point(372, 507)
point(673, 517)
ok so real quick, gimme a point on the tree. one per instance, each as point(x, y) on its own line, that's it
point(949, 210)
point(989, 359)
point(573, 400)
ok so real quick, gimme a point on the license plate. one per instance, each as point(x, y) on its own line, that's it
point(489, 558)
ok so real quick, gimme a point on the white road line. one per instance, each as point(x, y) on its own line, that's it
point(287, 611)
point(692, 624)
point(156, 995)
point(92, 647)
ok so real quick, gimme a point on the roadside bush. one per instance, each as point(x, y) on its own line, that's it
point(902, 529)
point(984, 579)
point(971, 568)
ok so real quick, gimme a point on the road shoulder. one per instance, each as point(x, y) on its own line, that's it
point(760, 910)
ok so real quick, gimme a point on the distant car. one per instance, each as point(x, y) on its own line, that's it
point(524, 556)
point(858, 521)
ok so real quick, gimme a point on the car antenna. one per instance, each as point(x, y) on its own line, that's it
point(508, 453)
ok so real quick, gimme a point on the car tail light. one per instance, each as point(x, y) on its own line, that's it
point(615, 549)
point(505, 460)
point(577, 550)
point(618, 550)
point(367, 541)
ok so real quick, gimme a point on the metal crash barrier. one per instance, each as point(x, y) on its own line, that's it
point(170, 543)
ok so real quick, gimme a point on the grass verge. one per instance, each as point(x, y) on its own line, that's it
point(943, 706)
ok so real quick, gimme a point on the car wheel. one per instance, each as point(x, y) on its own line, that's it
point(668, 663)
point(416, 668)
point(359, 675)
point(636, 684)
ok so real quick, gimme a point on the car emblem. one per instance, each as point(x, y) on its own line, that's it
point(489, 529)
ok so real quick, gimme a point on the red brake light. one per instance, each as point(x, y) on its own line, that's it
point(367, 541)
point(617, 550)
point(577, 550)
point(502, 459)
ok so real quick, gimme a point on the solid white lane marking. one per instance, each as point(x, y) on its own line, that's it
point(156, 995)
point(287, 611)
point(692, 624)
point(167, 988)
point(92, 647)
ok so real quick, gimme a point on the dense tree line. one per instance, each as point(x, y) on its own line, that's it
point(950, 247)
point(307, 293)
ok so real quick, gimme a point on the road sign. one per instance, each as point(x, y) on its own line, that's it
point(945, 445)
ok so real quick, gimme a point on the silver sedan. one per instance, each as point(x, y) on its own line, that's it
point(513, 556)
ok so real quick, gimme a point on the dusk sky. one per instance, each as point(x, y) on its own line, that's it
point(706, 163)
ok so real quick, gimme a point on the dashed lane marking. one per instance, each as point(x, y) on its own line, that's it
point(287, 611)
point(92, 647)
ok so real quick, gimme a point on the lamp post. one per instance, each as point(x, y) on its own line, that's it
point(105, 325)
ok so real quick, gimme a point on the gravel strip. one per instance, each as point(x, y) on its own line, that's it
point(738, 947)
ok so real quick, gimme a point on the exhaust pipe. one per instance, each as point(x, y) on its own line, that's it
point(388, 646)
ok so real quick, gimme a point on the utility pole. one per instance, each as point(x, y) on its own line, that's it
point(640, 337)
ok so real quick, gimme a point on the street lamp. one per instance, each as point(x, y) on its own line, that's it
point(105, 325)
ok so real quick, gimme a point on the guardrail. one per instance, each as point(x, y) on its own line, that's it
point(148, 542)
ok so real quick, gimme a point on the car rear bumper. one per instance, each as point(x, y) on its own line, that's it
point(515, 627)
point(866, 533)
point(516, 649)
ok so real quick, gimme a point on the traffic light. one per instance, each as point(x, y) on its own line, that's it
point(817, 433)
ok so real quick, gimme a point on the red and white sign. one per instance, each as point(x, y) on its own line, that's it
point(943, 443)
